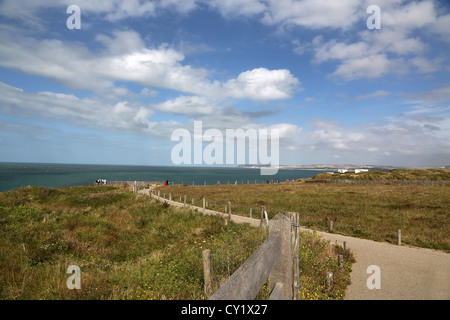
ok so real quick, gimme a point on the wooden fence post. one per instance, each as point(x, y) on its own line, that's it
point(229, 210)
point(282, 271)
point(204, 203)
point(295, 235)
point(251, 211)
point(206, 254)
point(264, 219)
point(329, 281)
point(399, 237)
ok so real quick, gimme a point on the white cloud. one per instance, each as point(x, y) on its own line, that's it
point(421, 133)
point(424, 65)
point(125, 58)
point(290, 135)
point(111, 10)
point(334, 50)
point(395, 48)
point(231, 8)
point(129, 117)
point(314, 14)
point(370, 67)
point(442, 27)
point(398, 136)
point(409, 16)
point(93, 113)
point(262, 84)
point(189, 105)
point(375, 55)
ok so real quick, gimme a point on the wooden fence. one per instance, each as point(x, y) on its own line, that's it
point(392, 182)
point(276, 259)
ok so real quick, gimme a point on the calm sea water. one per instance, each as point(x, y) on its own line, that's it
point(16, 175)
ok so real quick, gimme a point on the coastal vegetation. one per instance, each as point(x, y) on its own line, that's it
point(127, 246)
point(370, 211)
point(425, 175)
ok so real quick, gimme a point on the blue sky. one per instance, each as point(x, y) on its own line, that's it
point(115, 90)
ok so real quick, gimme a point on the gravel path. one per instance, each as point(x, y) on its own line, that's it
point(405, 273)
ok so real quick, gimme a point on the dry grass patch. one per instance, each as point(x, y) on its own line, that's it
point(368, 211)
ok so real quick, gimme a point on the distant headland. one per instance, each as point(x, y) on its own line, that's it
point(335, 167)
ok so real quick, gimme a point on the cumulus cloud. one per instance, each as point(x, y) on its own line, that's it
point(262, 84)
point(125, 116)
point(399, 141)
point(125, 58)
point(396, 48)
point(87, 112)
point(370, 67)
point(307, 13)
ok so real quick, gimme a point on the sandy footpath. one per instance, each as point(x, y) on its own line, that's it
point(405, 273)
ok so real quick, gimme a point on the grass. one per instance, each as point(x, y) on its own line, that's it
point(373, 212)
point(317, 257)
point(398, 174)
point(127, 246)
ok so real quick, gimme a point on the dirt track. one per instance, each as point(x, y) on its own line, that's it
point(406, 273)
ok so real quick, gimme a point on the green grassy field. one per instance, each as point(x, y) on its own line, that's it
point(127, 246)
point(367, 211)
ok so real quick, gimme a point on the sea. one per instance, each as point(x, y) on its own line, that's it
point(53, 175)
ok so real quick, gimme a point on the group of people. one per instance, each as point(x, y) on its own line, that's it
point(166, 183)
point(100, 181)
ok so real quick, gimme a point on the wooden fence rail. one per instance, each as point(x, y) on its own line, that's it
point(276, 259)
